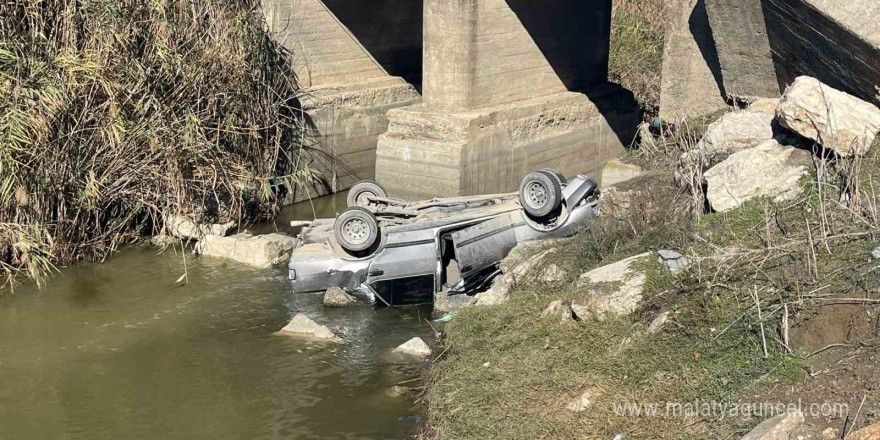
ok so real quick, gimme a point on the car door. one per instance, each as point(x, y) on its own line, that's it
point(403, 273)
point(485, 244)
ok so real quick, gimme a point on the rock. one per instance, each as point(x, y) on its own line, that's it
point(768, 169)
point(560, 311)
point(673, 261)
point(183, 227)
point(776, 428)
point(336, 297)
point(585, 400)
point(734, 132)
point(522, 266)
point(616, 171)
point(834, 119)
point(163, 240)
point(646, 196)
point(445, 303)
point(876, 253)
point(830, 434)
point(303, 327)
point(398, 391)
point(415, 346)
point(766, 106)
point(658, 323)
point(612, 290)
point(498, 293)
point(259, 251)
point(871, 432)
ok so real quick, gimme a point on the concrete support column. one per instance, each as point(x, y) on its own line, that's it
point(740, 34)
point(510, 86)
point(350, 58)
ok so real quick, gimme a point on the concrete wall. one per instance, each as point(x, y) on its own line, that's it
point(837, 42)
point(347, 41)
point(489, 52)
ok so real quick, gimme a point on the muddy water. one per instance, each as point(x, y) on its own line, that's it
point(120, 350)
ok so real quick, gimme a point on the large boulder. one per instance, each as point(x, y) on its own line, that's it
point(769, 170)
point(336, 297)
point(731, 133)
point(260, 251)
point(183, 227)
point(834, 119)
point(304, 328)
point(612, 290)
point(777, 428)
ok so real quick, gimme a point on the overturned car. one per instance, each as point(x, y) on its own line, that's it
point(395, 252)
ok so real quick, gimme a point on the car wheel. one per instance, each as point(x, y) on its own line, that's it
point(540, 194)
point(356, 229)
point(559, 176)
point(358, 194)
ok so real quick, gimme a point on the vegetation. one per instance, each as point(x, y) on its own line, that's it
point(759, 274)
point(637, 50)
point(113, 112)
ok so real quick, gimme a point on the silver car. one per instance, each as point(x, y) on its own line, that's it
point(401, 253)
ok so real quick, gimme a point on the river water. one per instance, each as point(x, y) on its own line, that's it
point(119, 350)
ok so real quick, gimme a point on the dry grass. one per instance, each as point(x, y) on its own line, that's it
point(116, 111)
point(637, 49)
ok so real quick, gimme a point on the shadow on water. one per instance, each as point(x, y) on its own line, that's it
point(119, 350)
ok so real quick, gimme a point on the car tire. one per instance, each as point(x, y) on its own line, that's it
point(540, 194)
point(559, 176)
point(363, 188)
point(356, 229)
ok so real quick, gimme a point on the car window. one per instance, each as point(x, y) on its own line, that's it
point(406, 291)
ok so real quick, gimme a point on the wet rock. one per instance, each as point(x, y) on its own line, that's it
point(658, 323)
point(163, 240)
point(415, 346)
point(183, 227)
point(616, 171)
point(769, 169)
point(734, 132)
point(560, 311)
point(336, 297)
point(304, 328)
point(673, 261)
point(776, 428)
point(612, 290)
point(585, 400)
point(259, 251)
point(834, 119)
point(871, 432)
point(398, 391)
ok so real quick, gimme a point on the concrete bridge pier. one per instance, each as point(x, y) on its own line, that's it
point(354, 61)
point(509, 86)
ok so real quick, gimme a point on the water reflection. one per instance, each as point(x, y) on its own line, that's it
point(120, 350)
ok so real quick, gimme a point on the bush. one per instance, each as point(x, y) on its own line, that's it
point(113, 112)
